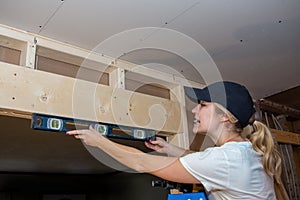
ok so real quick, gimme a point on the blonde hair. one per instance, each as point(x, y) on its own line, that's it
point(262, 141)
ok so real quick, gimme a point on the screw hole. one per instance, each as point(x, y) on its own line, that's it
point(39, 121)
point(13, 98)
point(44, 98)
point(15, 74)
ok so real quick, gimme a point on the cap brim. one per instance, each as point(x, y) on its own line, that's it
point(196, 95)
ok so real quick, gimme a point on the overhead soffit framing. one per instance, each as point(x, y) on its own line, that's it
point(252, 42)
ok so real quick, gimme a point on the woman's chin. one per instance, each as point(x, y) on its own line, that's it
point(197, 130)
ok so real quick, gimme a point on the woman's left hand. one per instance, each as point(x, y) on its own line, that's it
point(88, 136)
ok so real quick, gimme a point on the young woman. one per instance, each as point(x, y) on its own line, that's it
point(244, 164)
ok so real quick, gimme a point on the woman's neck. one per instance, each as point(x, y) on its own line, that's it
point(229, 137)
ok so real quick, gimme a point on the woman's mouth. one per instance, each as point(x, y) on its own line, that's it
point(196, 121)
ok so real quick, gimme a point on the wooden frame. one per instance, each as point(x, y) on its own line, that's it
point(28, 91)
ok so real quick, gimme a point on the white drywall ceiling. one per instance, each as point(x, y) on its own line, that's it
point(253, 42)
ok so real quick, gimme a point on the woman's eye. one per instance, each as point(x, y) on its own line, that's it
point(202, 104)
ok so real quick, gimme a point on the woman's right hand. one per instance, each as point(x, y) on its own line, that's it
point(161, 146)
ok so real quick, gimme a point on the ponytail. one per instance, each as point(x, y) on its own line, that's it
point(262, 142)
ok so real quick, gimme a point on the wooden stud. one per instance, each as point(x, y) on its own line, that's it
point(286, 137)
point(27, 58)
point(182, 138)
point(117, 78)
point(275, 108)
point(30, 54)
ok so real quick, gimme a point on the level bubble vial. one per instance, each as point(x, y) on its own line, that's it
point(101, 128)
point(54, 124)
point(139, 134)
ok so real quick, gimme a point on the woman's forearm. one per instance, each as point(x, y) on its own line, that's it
point(134, 158)
point(165, 167)
point(177, 151)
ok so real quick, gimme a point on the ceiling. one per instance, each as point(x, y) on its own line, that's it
point(255, 43)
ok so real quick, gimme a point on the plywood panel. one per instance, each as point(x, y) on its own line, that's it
point(36, 91)
point(71, 70)
point(10, 55)
point(150, 89)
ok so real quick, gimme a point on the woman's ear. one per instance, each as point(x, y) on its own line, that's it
point(224, 118)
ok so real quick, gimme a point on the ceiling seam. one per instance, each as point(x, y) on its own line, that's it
point(171, 20)
point(166, 23)
point(42, 27)
point(182, 13)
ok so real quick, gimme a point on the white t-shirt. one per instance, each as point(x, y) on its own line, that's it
point(232, 171)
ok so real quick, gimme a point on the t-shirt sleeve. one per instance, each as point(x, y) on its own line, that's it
point(210, 167)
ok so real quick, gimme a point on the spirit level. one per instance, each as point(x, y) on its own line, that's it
point(63, 124)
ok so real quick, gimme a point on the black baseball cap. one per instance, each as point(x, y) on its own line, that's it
point(232, 96)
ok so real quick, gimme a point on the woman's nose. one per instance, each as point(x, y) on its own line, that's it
point(195, 109)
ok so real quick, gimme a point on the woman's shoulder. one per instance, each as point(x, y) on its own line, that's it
point(246, 145)
point(242, 150)
point(231, 146)
point(227, 151)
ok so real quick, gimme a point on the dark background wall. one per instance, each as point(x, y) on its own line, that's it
point(95, 187)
